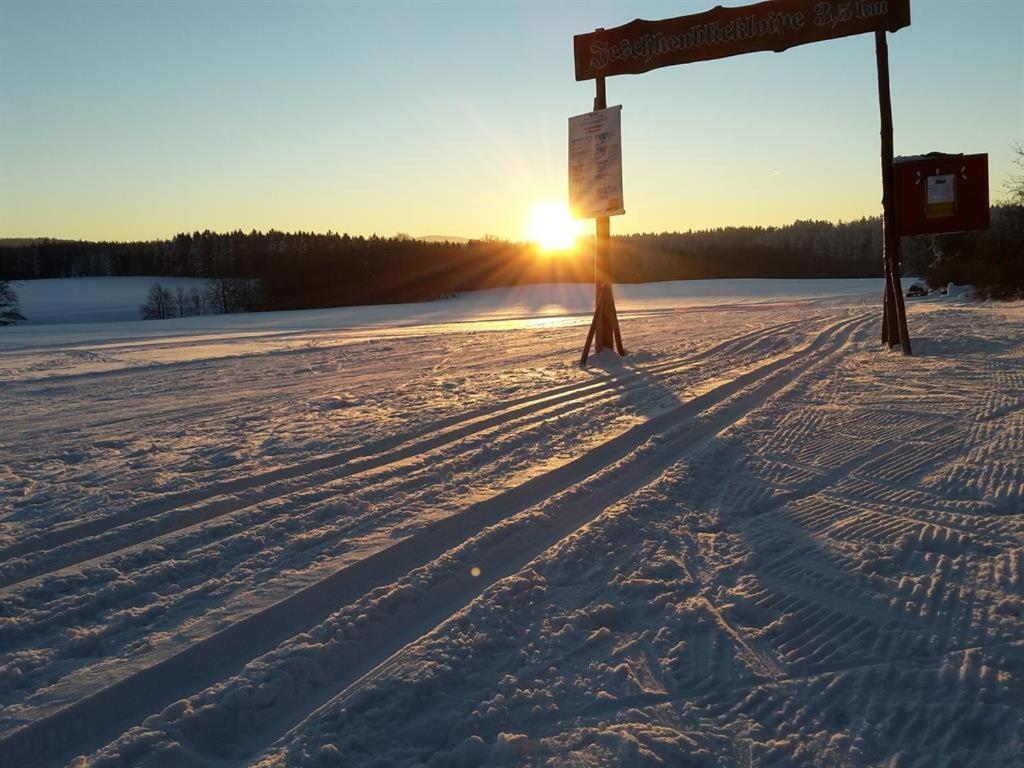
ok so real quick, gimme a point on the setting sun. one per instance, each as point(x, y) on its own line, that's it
point(552, 227)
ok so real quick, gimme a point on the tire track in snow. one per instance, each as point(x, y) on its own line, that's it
point(188, 509)
point(709, 699)
point(889, 618)
point(95, 719)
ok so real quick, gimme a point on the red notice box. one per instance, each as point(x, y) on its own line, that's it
point(939, 193)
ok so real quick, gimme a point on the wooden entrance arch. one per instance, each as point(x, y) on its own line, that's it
point(775, 25)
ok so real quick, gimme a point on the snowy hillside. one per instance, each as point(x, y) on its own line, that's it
point(421, 536)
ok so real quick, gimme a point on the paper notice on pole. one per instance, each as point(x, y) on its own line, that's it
point(940, 195)
point(595, 164)
point(940, 188)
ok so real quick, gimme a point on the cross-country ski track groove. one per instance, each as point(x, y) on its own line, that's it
point(99, 717)
point(150, 417)
point(177, 512)
point(510, 555)
point(513, 353)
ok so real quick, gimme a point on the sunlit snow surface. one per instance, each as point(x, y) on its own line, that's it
point(74, 347)
point(420, 535)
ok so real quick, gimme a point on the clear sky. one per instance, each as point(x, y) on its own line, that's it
point(140, 120)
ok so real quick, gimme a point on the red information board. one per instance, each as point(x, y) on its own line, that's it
point(939, 193)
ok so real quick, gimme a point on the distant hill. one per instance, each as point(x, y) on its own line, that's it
point(442, 239)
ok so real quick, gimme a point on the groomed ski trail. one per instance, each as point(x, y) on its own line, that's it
point(107, 712)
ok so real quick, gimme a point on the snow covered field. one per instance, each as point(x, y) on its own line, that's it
point(100, 344)
point(408, 536)
point(91, 299)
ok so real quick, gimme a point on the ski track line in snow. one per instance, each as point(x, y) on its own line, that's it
point(515, 557)
point(385, 331)
point(77, 421)
point(395, 361)
point(151, 418)
point(112, 351)
point(96, 719)
point(316, 386)
point(166, 537)
point(82, 587)
point(189, 510)
point(389, 331)
point(172, 415)
point(507, 559)
point(394, 642)
point(109, 351)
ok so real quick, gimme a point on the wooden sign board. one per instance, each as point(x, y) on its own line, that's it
point(595, 164)
point(775, 25)
point(940, 193)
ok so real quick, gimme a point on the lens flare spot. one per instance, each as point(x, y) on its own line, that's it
point(552, 227)
point(474, 571)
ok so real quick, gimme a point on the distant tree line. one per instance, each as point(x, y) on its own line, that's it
point(802, 249)
point(277, 270)
point(222, 296)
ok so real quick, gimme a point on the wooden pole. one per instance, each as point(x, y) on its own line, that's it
point(895, 313)
point(885, 304)
point(602, 266)
point(602, 284)
point(590, 333)
point(890, 328)
point(618, 331)
point(897, 270)
point(604, 328)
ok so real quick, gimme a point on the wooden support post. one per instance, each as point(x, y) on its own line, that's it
point(901, 314)
point(885, 305)
point(602, 258)
point(618, 331)
point(604, 328)
point(895, 314)
point(590, 334)
point(890, 328)
point(602, 285)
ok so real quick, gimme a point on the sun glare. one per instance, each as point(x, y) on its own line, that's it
point(552, 227)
